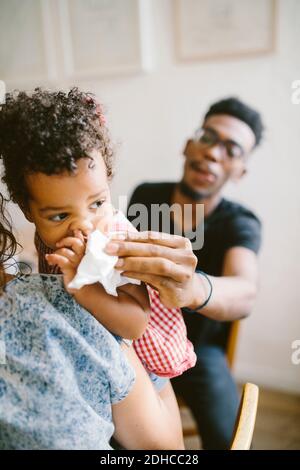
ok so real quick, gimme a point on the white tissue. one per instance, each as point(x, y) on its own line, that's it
point(97, 266)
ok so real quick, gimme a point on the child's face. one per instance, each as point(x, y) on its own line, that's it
point(59, 205)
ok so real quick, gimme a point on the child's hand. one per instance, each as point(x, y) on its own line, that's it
point(68, 256)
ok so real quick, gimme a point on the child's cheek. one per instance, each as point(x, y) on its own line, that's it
point(51, 235)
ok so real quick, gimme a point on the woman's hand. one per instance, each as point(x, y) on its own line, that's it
point(166, 262)
point(69, 253)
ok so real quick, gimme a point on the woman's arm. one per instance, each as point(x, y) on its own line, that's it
point(143, 420)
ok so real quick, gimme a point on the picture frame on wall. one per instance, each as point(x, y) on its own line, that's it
point(216, 29)
point(27, 55)
point(103, 37)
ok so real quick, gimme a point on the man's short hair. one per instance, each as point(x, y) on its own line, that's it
point(236, 108)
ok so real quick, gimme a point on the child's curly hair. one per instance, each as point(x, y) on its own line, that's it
point(48, 132)
point(8, 243)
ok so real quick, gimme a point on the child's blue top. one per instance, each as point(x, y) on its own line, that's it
point(60, 369)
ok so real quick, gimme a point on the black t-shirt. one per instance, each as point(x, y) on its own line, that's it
point(229, 225)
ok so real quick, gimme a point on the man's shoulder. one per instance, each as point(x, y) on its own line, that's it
point(153, 192)
point(155, 186)
point(232, 210)
point(237, 225)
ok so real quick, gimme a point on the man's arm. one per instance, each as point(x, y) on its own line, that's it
point(168, 264)
point(234, 291)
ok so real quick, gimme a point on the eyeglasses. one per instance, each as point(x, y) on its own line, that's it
point(206, 137)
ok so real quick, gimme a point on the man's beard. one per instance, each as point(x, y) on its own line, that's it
point(187, 191)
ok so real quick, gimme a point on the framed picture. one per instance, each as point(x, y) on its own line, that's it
point(104, 37)
point(213, 29)
point(26, 53)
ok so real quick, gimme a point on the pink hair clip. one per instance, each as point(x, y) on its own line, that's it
point(99, 112)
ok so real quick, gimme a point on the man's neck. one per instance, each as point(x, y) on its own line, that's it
point(210, 203)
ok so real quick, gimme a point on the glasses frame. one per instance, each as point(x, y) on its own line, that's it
point(216, 140)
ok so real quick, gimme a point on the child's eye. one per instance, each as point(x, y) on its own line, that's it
point(97, 204)
point(58, 217)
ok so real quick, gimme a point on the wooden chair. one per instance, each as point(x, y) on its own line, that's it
point(245, 421)
point(230, 354)
point(232, 343)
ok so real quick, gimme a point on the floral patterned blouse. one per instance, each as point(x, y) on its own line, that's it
point(60, 369)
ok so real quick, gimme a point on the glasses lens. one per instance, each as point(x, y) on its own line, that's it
point(206, 137)
point(233, 150)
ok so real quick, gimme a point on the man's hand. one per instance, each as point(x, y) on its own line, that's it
point(165, 262)
point(68, 256)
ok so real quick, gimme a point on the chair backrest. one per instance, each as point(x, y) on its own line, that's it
point(245, 421)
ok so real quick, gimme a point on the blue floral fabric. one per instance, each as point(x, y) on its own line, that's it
point(61, 372)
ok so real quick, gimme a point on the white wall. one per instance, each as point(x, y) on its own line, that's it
point(151, 115)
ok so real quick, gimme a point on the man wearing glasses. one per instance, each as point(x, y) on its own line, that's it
point(226, 264)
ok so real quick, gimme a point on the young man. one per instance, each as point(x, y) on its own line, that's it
point(218, 153)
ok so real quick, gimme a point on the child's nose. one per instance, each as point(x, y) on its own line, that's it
point(85, 226)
